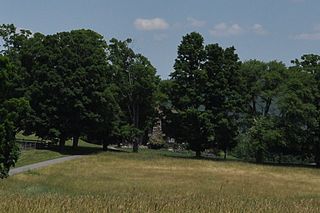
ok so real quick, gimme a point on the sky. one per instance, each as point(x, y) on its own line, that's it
point(259, 29)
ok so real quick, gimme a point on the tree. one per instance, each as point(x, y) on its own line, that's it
point(13, 39)
point(263, 84)
point(307, 71)
point(251, 74)
point(136, 82)
point(297, 112)
point(103, 128)
point(223, 93)
point(66, 77)
point(12, 110)
point(187, 113)
point(263, 137)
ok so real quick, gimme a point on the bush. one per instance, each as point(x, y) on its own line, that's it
point(156, 141)
point(9, 151)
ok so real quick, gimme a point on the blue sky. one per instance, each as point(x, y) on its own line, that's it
point(259, 29)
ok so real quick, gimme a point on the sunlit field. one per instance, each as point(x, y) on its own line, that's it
point(158, 181)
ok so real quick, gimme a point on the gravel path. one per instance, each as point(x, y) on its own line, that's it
point(42, 164)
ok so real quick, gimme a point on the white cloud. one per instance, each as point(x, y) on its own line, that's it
point(307, 36)
point(195, 22)
point(223, 29)
point(151, 24)
point(259, 29)
point(312, 36)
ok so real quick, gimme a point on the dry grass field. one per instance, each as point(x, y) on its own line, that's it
point(155, 181)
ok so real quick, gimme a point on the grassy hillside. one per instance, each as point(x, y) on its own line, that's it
point(154, 181)
point(30, 156)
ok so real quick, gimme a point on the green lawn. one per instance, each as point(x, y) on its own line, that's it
point(26, 137)
point(31, 156)
point(160, 181)
point(36, 155)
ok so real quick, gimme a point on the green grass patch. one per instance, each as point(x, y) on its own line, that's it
point(20, 136)
point(36, 155)
point(30, 156)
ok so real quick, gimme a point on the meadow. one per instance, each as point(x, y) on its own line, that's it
point(161, 181)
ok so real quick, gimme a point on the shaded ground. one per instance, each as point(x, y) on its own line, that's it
point(31, 156)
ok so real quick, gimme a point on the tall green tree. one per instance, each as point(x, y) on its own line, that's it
point(187, 113)
point(136, 83)
point(264, 136)
point(223, 93)
point(263, 84)
point(297, 112)
point(12, 110)
point(308, 70)
point(66, 76)
point(102, 128)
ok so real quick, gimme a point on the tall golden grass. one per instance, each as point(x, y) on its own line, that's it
point(125, 182)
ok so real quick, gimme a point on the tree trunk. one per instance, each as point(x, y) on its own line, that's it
point(267, 107)
point(280, 158)
point(75, 141)
point(317, 147)
point(225, 154)
point(317, 156)
point(62, 143)
point(198, 154)
point(318, 161)
point(104, 145)
point(254, 108)
point(259, 156)
point(119, 143)
point(136, 125)
point(135, 146)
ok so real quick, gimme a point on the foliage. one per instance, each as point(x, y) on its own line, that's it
point(65, 77)
point(187, 115)
point(306, 102)
point(9, 151)
point(78, 85)
point(264, 136)
point(223, 94)
point(204, 91)
point(135, 83)
point(12, 110)
point(263, 85)
point(156, 141)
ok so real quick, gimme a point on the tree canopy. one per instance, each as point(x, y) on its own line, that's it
point(77, 85)
point(12, 111)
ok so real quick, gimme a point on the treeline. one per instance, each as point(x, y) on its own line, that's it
point(76, 84)
point(260, 111)
point(73, 85)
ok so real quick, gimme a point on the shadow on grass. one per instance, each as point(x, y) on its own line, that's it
point(69, 150)
point(189, 156)
point(178, 155)
point(114, 149)
point(291, 165)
